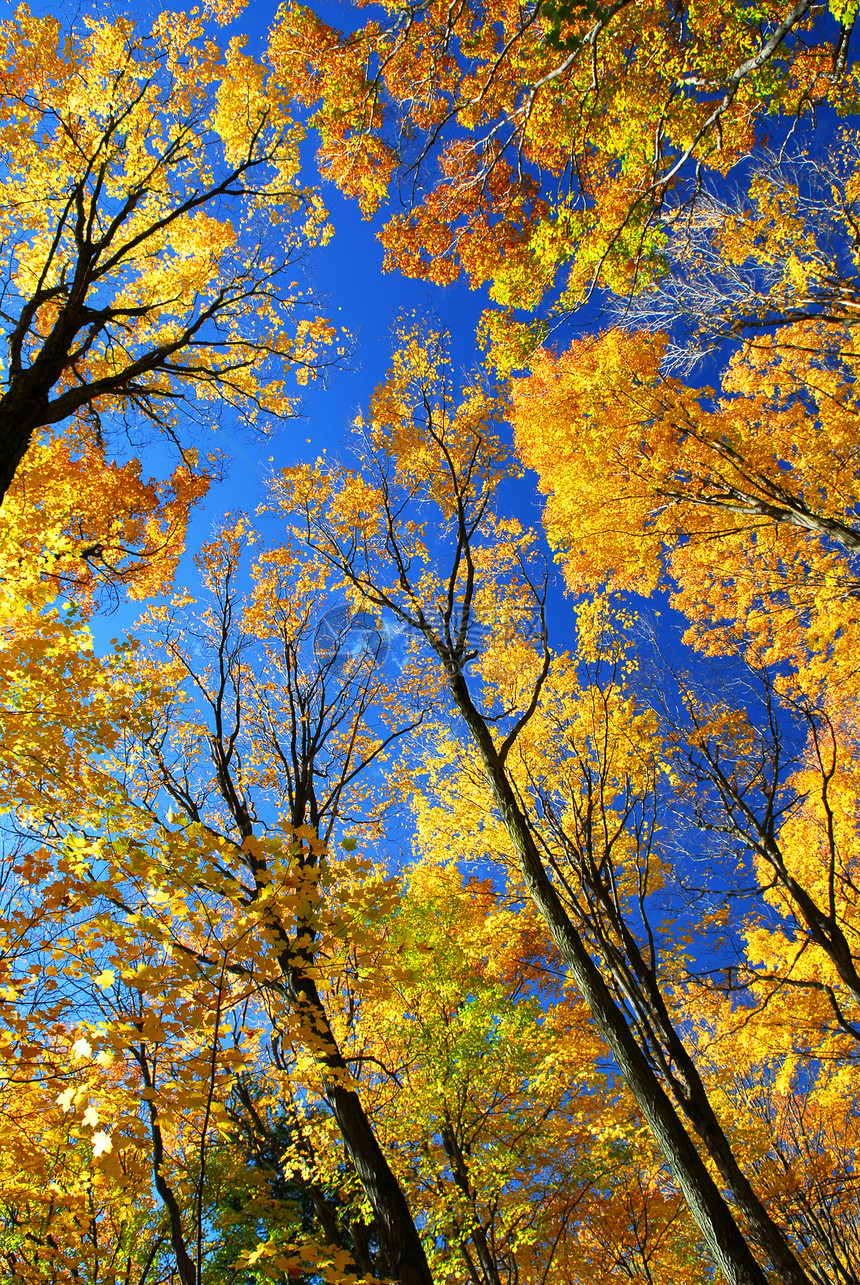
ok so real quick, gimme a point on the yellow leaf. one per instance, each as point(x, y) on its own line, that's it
point(101, 1143)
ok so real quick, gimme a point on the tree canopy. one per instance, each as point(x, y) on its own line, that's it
point(369, 910)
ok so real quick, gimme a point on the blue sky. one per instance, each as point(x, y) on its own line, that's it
point(347, 276)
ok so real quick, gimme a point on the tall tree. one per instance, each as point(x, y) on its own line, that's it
point(223, 900)
point(422, 444)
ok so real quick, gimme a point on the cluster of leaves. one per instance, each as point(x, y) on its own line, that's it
point(542, 148)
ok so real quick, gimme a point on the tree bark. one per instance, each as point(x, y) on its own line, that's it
point(184, 1262)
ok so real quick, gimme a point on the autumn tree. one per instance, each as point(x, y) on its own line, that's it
point(237, 869)
point(153, 223)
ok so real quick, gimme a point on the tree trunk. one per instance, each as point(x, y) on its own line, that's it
point(19, 419)
point(399, 1239)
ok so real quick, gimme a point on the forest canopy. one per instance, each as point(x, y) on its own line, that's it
point(448, 874)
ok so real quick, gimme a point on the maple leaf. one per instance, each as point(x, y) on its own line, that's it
point(102, 1144)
